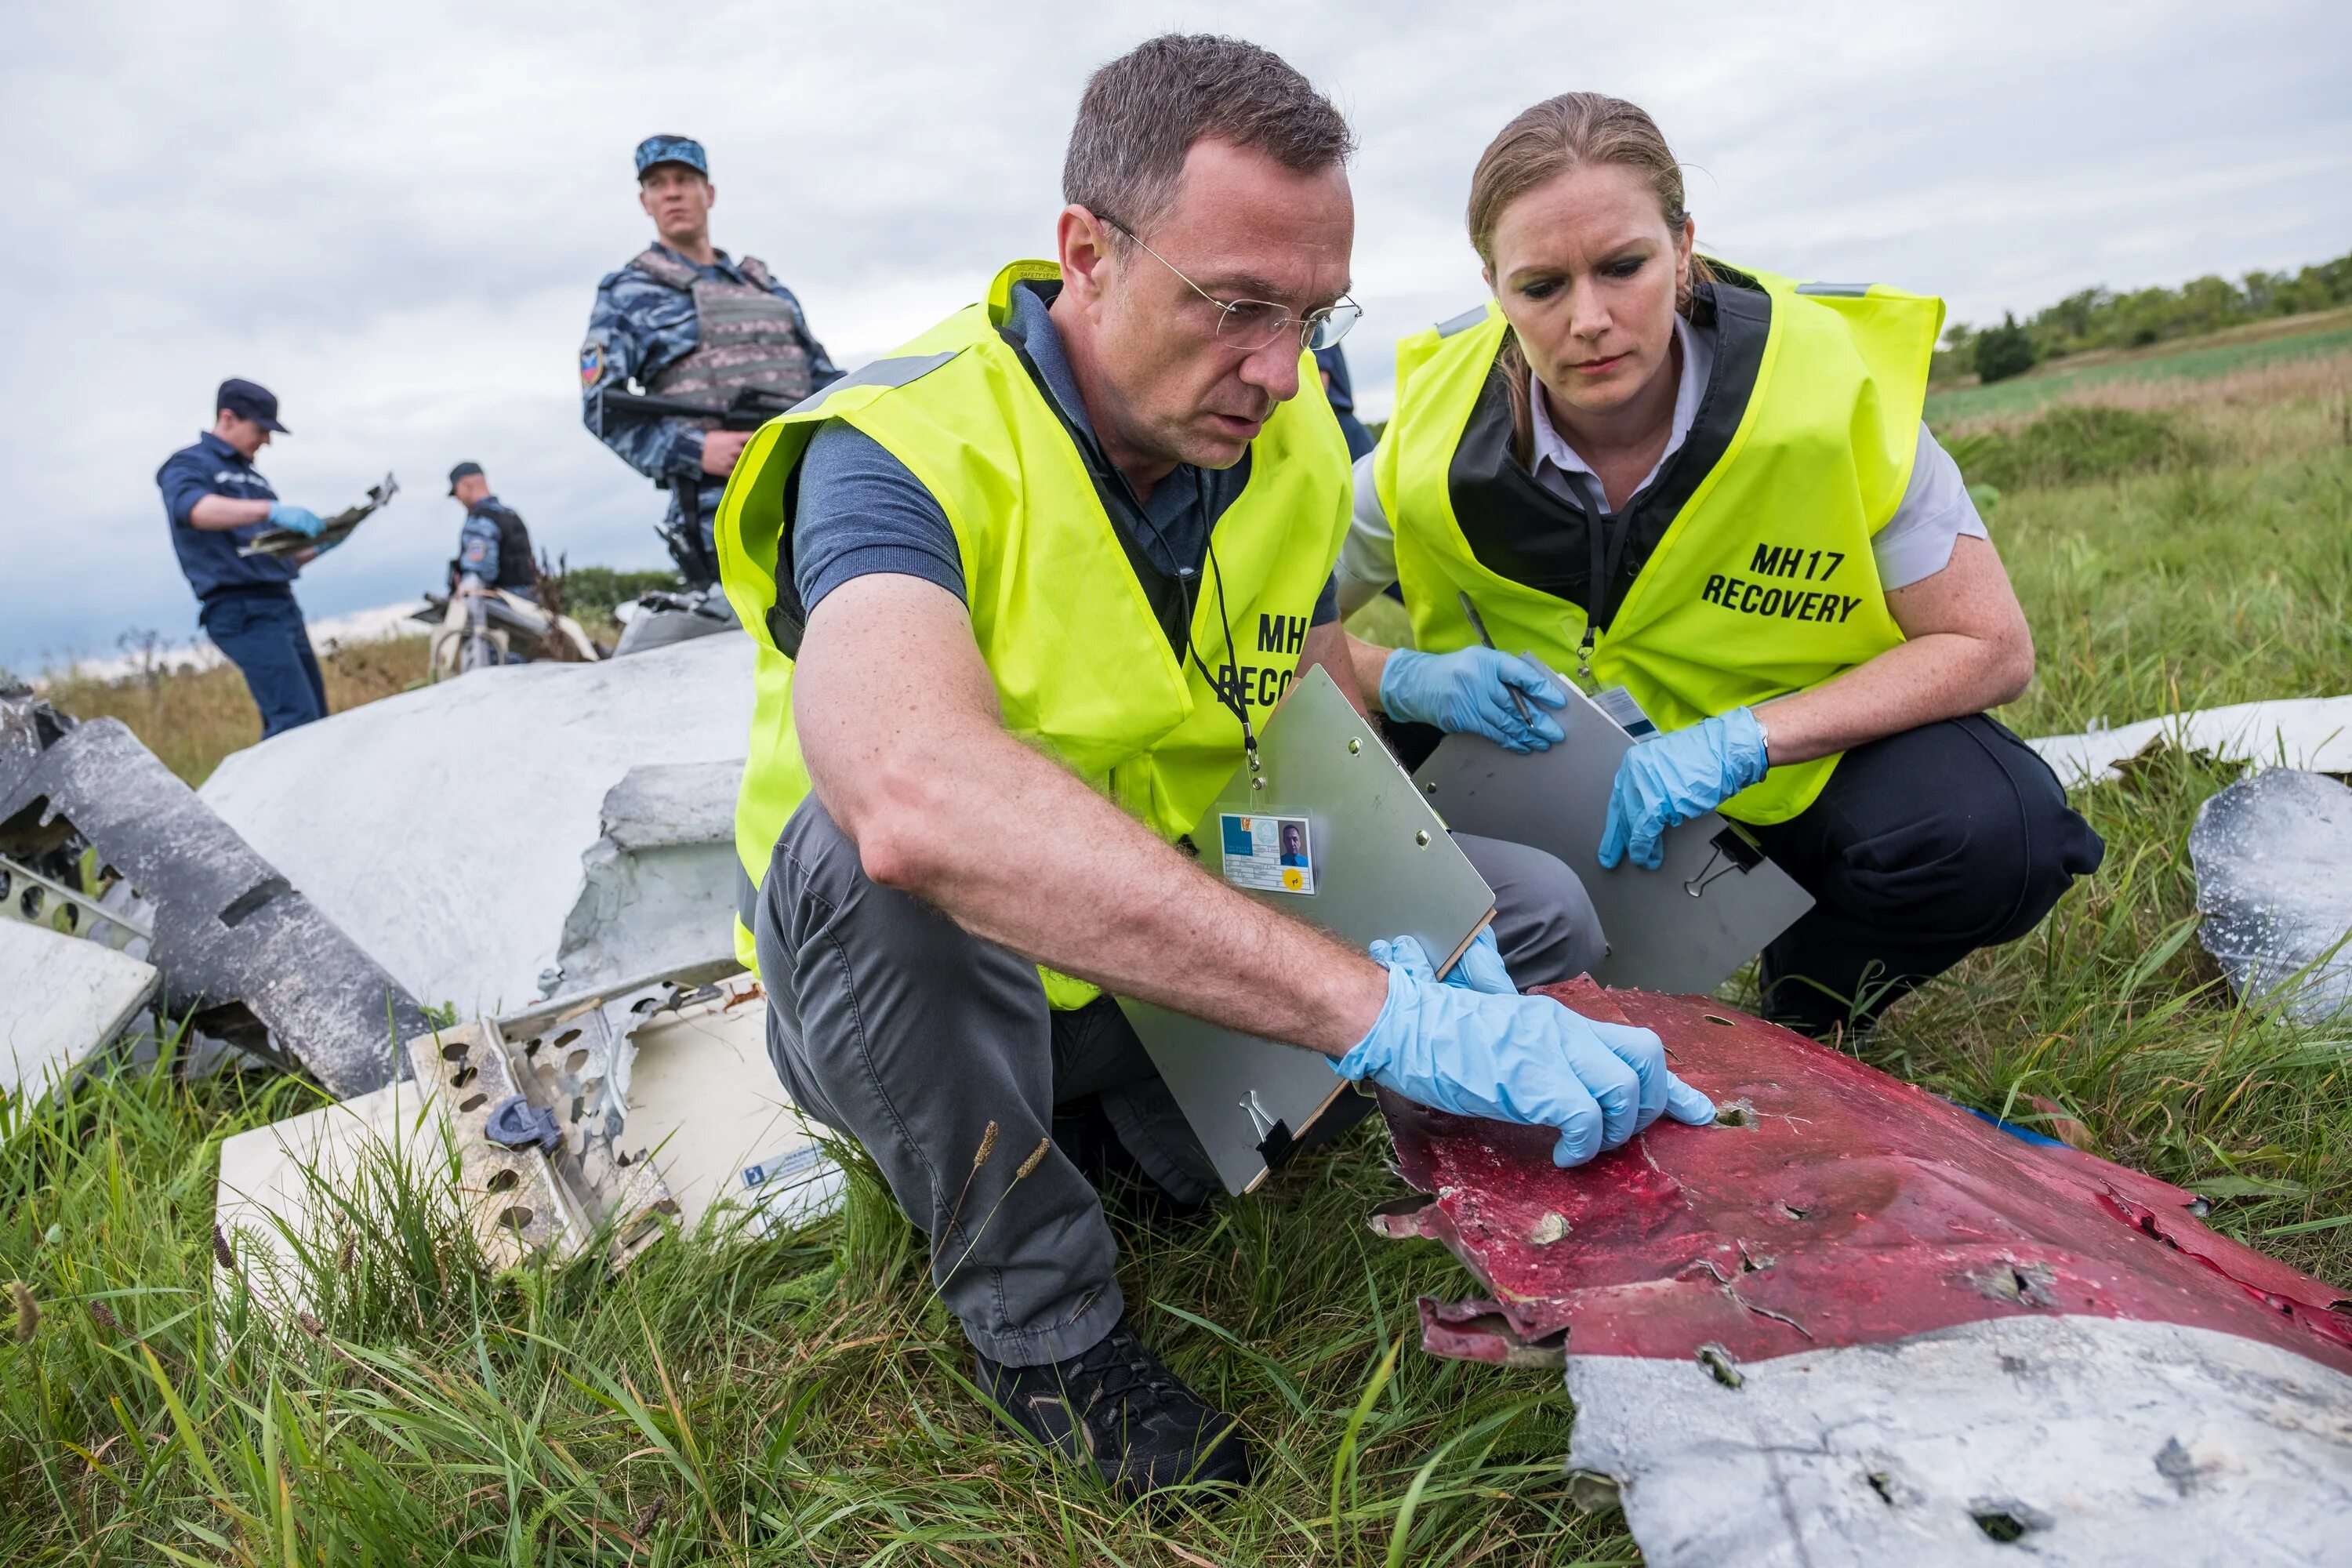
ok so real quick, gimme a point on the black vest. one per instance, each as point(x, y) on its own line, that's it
point(517, 567)
point(1518, 529)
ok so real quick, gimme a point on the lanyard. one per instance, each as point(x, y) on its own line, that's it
point(1227, 692)
point(1606, 532)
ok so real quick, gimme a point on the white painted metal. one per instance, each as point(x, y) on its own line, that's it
point(2314, 733)
point(443, 828)
point(61, 998)
point(659, 885)
point(2273, 860)
point(2089, 1440)
point(267, 1204)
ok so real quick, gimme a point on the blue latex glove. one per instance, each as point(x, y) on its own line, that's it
point(298, 519)
point(1671, 778)
point(1468, 691)
point(1480, 968)
point(1516, 1058)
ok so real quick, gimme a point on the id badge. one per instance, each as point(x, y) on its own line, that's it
point(1268, 853)
point(1623, 711)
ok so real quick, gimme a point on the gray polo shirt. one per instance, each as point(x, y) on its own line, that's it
point(1916, 543)
point(861, 512)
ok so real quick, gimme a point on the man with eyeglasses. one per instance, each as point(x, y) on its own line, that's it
point(1015, 589)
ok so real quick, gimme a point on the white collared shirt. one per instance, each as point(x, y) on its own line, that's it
point(1916, 543)
point(1558, 466)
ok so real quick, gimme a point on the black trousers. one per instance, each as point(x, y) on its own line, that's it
point(1924, 848)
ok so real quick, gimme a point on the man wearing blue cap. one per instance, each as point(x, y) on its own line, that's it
point(687, 322)
point(215, 501)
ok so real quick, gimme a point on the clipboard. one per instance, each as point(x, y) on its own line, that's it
point(282, 541)
point(1682, 929)
point(1380, 864)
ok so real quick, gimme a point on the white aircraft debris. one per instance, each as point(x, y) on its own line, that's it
point(444, 827)
point(2273, 855)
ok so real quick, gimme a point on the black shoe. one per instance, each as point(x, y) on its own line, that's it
point(1118, 1407)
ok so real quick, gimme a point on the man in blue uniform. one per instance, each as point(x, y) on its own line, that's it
point(215, 500)
point(685, 322)
point(493, 547)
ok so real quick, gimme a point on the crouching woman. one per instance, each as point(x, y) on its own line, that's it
point(1713, 487)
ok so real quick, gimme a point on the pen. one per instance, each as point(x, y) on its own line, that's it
point(1479, 625)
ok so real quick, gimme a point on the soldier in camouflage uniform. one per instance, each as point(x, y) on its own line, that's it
point(684, 321)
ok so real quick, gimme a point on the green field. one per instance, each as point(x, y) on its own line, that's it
point(804, 1401)
point(2223, 354)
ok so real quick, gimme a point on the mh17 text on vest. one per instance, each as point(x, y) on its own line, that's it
point(1770, 600)
point(1262, 686)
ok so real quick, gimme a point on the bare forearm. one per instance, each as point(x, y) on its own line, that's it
point(216, 513)
point(909, 758)
point(1940, 676)
point(1370, 661)
point(1968, 649)
point(1021, 852)
point(1330, 646)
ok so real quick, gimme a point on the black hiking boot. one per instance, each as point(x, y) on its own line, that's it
point(1118, 1407)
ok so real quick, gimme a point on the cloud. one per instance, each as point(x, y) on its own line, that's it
point(394, 217)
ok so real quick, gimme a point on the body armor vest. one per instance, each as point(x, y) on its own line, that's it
point(745, 337)
point(517, 567)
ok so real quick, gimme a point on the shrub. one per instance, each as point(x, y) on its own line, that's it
point(593, 591)
point(2004, 351)
point(2076, 442)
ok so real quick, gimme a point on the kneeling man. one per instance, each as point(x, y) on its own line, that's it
point(997, 579)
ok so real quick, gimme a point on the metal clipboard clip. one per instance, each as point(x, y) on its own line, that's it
point(1735, 852)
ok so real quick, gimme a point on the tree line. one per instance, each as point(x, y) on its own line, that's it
point(2102, 319)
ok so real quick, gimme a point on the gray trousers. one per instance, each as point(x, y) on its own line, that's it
point(890, 1022)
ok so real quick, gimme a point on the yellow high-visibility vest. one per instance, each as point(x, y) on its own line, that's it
point(1761, 583)
point(1082, 667)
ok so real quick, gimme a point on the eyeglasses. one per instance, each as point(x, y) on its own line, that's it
point(1248, 325)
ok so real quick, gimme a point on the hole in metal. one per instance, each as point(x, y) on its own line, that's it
point(2000, 1524)
point(473, 1103)
point(454, 1051)
point(576, 1060)
point(1719, 1364)
point(517, 1217)
point(254, 899)
point(502, 1182)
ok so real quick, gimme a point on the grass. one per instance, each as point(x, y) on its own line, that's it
point(2097, 376)
point(806, 1400)
point(191, 721)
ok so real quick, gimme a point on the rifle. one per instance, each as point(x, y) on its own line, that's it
point(748, 409)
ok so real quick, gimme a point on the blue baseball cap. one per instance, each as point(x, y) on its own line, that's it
point(250, 400)
point(683, 150)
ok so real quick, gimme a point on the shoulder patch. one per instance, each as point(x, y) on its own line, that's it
point(592, 362)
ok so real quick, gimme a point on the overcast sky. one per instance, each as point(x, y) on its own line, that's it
point(395, 216)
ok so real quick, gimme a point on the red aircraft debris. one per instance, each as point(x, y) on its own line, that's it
point(1851, 1320)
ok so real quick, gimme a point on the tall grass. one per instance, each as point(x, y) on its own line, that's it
point(192, 719)
point(806, 1400)
point(2104, 375)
